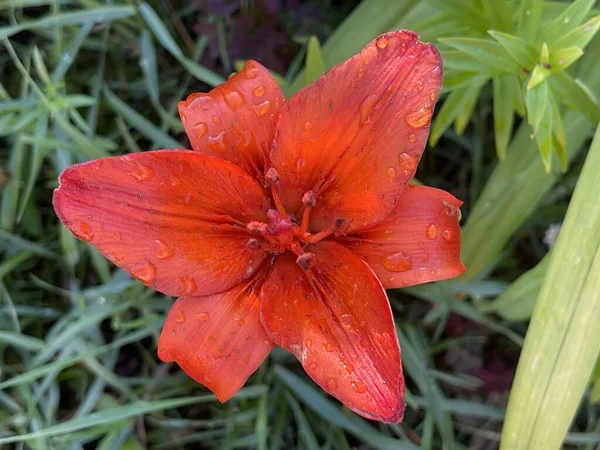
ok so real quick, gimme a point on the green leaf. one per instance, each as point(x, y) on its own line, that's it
point(576, 95)
point(539, 116)
point(568, 20)
point(503, 113)
point(529, 17)
point(563, 339)
point(466, 12)
point(464, 116)
point(517, 302)
point(460, 61)
point(486, 51)
point(538, 76)
point(315, 64)
point(579, 37)
point(561, 59)
point(521, 51)
point(148, 65)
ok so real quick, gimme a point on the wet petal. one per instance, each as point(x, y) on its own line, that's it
point(217, 340)
point(337, 320)
point(236, 120)
point(417, 243)
point(355, 136)
point(174, 219)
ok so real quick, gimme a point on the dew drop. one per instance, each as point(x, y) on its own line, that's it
point(234, 99)
point(391, 280)
point(146, 274)
point(367, 61)
point(203, 316)
point(419, 118)
point(217, 142)
point(143, 173)
point(398, 262)
point(365, 109)
point(201, 101)
point(200, 130)
point(382, 42)
point(313, 365)
point(300, 163)
point(263, 108)
point(85, 232)
point(432, 96)
point(259, 91)
point(308, 126)
point(447, 234)
point(412, 138)
point(187, 285)
point(359, 387)
point(251, 73)
point(408, 162)
point(180, 316)
point(349, 367)
point(328, 347)
point(432, 231)
point(391, 173)
point(308, 343)
point(162, 250)
point(216, 120)
point(331, 384)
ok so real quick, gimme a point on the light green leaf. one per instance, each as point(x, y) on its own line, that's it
point(563, 58)
point(503, 113)
point(538, 76)
point(521, 51)
point(529, 17)
point(539, 116)
point(489, 52)
point(576, 95)
point(563, 339)
point(579, 37)
point(568, 20)
point(315, 64)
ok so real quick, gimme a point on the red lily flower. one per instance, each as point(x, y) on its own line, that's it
point(286, 224)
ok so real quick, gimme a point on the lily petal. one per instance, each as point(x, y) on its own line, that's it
point(174, 219)
point(419, 241)
point(336, 319)
point(236, 120)
point(355, 136)
point(217, 340)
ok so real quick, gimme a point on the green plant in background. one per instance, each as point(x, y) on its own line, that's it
point(71, 93)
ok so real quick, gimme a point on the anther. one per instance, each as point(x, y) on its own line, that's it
point(306, 260)
point(258, 228)
point(271, 177)
point(308, 199)
point(253, 244)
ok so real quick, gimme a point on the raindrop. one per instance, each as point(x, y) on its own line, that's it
point(432, 96)
point(203, 316)
point(432, 231)
point(412, 138)
point(359, 387)
point(143, 173)
point(349, 367)
point(391, 279)
point(216, 120)
point(313, 365)
point(180, 316)
point(308, 126)
point(251, 73)
point(234, 99)
point(308, 343)
point(391, 173)
point(85, 232)
point(447, 234)
point(259, 91)
point(263, 108)
point(408, 162)
point(146, 274)
point(300, 163)
point(328, 347)
point(398, 262)
point(382, 42)
point(365, 109)
point(331, 384)
point(200, 129)
point(419, 118)
point(163, 251)
point(217, 142)
point(239, 321)
point(187, 285)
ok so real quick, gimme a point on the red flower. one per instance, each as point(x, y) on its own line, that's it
point(287, 223)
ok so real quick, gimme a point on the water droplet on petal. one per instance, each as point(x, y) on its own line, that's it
point(412, 138)
point(239, 321)
point(216, 120)
point(259, 91)
point(263, 108)
point(391, 280)
point(308, 343)
point(432, 231)
point(328, 347)
point(331, 384)
point(349, 367)
point(143, 173)
point(203, 316)
point(84, 232)
point(419, 118)
point(391, 173)
point(200, 129)
point(234, 99)
point(300, 163)
point(162, 250)
point(367, 61)
point(187, 285)
point(408, 162)
point(359, 387)
point(251, 72)
point(217, 142)
point(180, 316)
point(308, 126)
point(432, 96)
point(447, 234)
point(313, 365)
point(398, 262)
point(382, 42)
point(146, 274)
point(365, 109)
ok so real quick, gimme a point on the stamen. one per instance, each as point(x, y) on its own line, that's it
point(306, 260)
point(253, 244)
point(258, 228)
point(271, 176)
point(272, 180)
point(308, 200)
